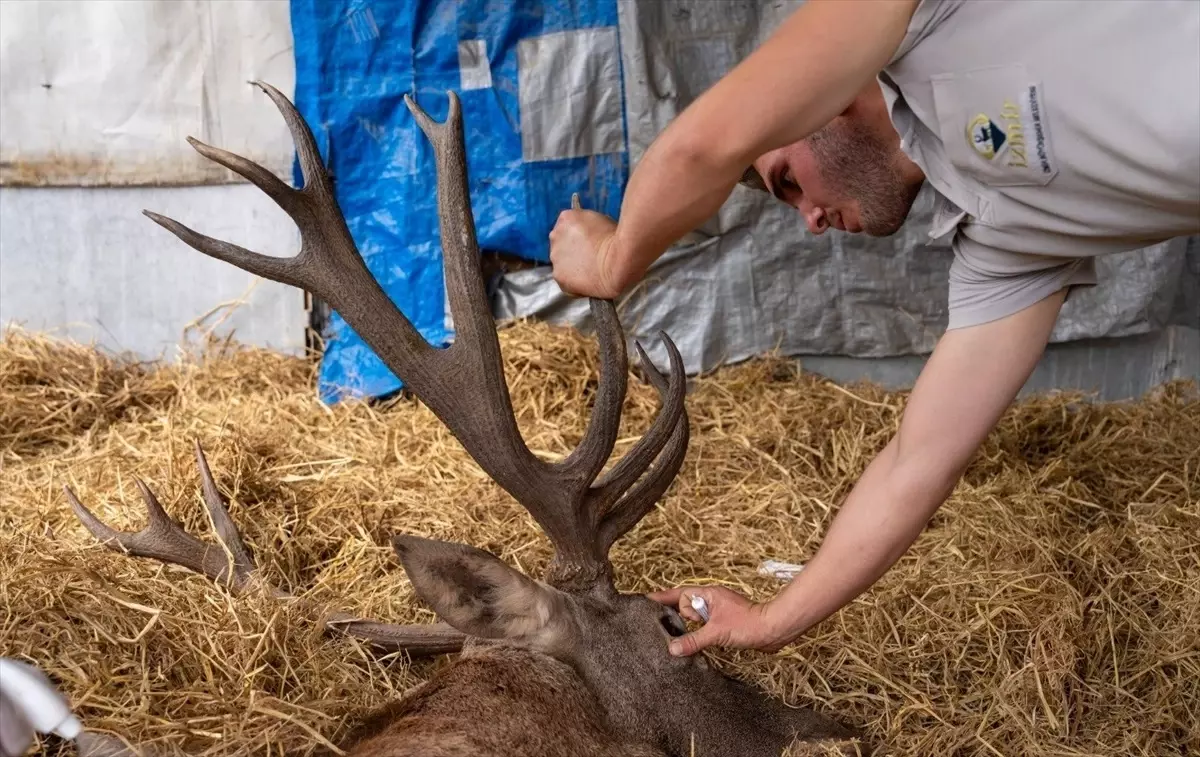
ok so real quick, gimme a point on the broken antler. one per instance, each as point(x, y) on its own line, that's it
point(464, 384)
point(229, 562)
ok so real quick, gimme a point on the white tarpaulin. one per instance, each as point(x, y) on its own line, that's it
point(101, 94)
point(104, 92)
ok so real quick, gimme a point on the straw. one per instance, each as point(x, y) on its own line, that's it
point(1052, 607)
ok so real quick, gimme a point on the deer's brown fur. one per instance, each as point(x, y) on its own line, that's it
point(528, 705)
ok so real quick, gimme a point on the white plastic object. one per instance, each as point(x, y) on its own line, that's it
point(700, 606)
point(784, 571)
point(28, 692)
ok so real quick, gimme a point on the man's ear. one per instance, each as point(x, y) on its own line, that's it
point(480, 595)
point(752, 179)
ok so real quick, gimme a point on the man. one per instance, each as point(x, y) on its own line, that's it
point(1052, 132)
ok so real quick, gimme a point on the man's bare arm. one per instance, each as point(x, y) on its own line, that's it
point(801, 78)
point(971, 378)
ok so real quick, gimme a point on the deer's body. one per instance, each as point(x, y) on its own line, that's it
point(560, 666)
point(495, 700)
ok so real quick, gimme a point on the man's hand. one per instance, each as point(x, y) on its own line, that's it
point(581, 244)
point(734, 621)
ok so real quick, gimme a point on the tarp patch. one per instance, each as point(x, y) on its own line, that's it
point(356, 59)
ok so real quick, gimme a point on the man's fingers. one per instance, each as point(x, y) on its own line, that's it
point(667, 596)
point(687, 612)
point(681, 599)
point(691, 643)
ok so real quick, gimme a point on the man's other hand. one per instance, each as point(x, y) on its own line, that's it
point(581, 245)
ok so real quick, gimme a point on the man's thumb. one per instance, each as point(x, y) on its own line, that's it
point(691, 643)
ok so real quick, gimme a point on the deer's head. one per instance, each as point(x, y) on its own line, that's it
point(616, 642)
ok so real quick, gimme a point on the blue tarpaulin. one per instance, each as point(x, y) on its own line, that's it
point(543, 114)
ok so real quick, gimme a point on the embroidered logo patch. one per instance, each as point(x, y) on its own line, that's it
point(985, 136)
point(1019, 133)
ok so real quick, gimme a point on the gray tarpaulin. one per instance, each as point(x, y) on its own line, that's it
point(753, 280)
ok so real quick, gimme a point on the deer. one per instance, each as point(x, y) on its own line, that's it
point(552, 666)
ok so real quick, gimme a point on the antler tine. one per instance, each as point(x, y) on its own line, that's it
point(269, 183)
point(622, 475)
point(587, 460)
point(316, 179)
point(639, 500)
point(283, 270)
point(218, 512)
point(473, 321)
point(165, 540)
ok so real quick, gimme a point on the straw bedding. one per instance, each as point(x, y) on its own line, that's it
point(1051, 608)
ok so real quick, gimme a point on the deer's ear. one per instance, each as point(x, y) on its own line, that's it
point(480, 595)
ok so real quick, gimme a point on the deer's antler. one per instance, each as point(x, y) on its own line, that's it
point(230, 563)
point(464, 384)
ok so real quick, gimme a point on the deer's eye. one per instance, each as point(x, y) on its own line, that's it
point(672, 623)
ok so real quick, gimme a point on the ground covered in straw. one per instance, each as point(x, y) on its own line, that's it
point(1052, 607)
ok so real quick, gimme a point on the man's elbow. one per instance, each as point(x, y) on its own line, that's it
point(923, 477)
point(720, 148)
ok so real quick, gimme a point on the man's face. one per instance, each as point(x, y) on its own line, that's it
point(846, 176)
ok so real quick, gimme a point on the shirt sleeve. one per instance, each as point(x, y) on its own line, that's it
point(987, 284)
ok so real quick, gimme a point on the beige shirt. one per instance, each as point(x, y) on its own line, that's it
point(1053, 131)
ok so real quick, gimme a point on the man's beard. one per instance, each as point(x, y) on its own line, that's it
point(855, 163)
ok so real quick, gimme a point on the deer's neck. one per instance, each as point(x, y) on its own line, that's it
point(709, 714)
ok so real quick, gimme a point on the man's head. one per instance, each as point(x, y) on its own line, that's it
point(850, 175)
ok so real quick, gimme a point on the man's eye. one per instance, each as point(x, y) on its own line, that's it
point(788, 181)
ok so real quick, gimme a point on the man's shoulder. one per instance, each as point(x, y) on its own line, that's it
point(927, 15)
point(1081, 140)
